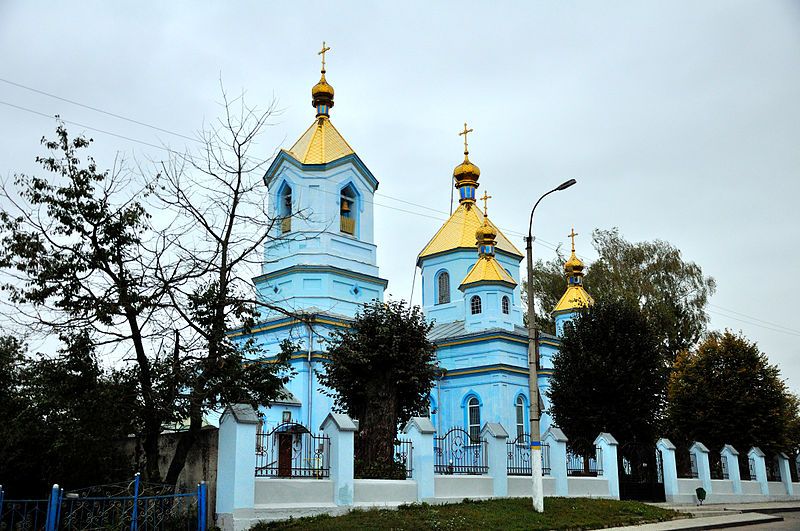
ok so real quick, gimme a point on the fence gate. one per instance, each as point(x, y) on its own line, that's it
point(641, 473)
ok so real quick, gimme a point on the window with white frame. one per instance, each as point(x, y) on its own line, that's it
point(475, 305)
point(505, 304)
point(474, 416)
point(520, 407)
point(443, 287)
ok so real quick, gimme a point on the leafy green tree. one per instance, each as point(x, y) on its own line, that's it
point(726, 392)
point(609, 375)
point(380, 371)
point(672, 292)
point(80, 252)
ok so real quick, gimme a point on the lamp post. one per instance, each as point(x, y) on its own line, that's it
point(533, 365)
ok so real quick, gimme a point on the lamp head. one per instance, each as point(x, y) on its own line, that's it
point(566, 184)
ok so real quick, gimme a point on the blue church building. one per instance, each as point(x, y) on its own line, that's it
point(321, 263)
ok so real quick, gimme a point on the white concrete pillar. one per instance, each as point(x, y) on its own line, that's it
point(669, 467)
point(421, 431)
point(556, 441)
point(496, 438)
point(341, 430)
point(760, 467)
point(731, 458)
point(236, 465)
point(607, 445)
point(786, 473)
point(700, 453)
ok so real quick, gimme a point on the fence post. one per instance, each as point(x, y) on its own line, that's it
point(341, 430)
point(670, 468)
point(700, 453)
point(760, 467)
point(51, 524)
point(420, 430)
point(2, 494)
point(786, 474)
point(608, 447)
point(496, 438)
point(731, 457)
point(135, 511)
point(557, 442)
point(236, 465)
point(202, 506)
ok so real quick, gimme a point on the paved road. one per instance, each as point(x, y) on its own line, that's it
point(791, 520)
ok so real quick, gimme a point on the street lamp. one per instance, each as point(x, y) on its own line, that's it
point(533, 365)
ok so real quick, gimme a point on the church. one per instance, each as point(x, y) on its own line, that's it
point(321, 262)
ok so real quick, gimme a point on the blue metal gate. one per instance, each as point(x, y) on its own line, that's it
point(136, 506)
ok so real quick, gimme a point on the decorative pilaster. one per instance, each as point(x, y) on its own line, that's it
point(670, 468)
point(236, 465)
point(341, 430)
point(421, 431)
point(700, 453)
point(607, 445)
point(731, 458)
point(786, 473)
point(556, 441)
point(496, 437)
point(760, 467)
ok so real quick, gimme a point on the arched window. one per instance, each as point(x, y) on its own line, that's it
point(347, 210)
point(474, 416)
point(520, 407)
point(475, 304)
point(443, 287)
point(505, 304)
point(285, 208)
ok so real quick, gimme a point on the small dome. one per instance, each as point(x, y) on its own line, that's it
point(322, 93)
point(485, 235)
point(466, 172)
point(573, 266)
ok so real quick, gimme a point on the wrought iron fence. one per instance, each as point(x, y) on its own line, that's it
point(291, 451)
point(134, 505)
point(404, 453)
point(686, 463)
point(718, 465)
point(773, 472)
point(456, 453)
point(519, 456)
point(584, 462)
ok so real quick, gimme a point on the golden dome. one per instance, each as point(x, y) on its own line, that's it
point(573, 267)
point(322, 93)
point(485, 234)
point(466, 171)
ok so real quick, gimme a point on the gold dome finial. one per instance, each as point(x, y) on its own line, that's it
point(466, 174)
point(573, 267)
point(486, 235)
point(322, 92)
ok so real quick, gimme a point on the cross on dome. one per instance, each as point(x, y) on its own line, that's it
point(572, 235)
point(464, 133)
point(322, 53)
point(485, 200)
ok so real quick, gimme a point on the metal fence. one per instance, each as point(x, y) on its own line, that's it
point(404, 453)
point(718, 465)
point(585, 463)
point(519, 456)
point(456, 453)
point(686, 463)
point(773, 472)
point(291, 451)
point(137, 506)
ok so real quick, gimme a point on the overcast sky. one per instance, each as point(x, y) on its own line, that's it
point(680, 120)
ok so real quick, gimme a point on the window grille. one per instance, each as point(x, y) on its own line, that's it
point(443, 297)
point(505, 304)
point(475, 305)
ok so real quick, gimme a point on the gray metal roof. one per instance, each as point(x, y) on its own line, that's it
point(457, 329)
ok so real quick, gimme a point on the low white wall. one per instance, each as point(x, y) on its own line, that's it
point(287, 492)
point(460, 487)
point(588, 487)
point(776, 488)
point(751, 487)
point(721, 486)
point(688, 485)
point(520, 486)
point(388, 492)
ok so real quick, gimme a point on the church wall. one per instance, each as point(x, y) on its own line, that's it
point(491, 315)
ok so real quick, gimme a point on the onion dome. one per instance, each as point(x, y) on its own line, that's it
point(573, 267)
point(322, 92)
point(486, 234)
point(466, 174)
point(575, 297)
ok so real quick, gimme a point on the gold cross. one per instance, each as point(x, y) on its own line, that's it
point(322, 53)
point(465, 132)
point(572, 235)
point(485, 198)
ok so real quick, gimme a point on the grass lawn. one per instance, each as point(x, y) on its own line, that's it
point(516, 513)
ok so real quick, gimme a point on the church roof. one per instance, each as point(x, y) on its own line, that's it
point(575, 297)
point(458, 329)
point(458, 232)
point(487, 269)
point(320, 144)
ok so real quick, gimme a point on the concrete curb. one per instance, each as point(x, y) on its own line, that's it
point(710, 522)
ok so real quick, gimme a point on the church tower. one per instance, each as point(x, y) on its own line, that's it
point(449, 256)
point(575, 297)
point(322, 254)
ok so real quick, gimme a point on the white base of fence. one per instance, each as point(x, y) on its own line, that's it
point(520, 486)
point(722, 492)
point(459, 487)
point(384, 492)
point(588, 487)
